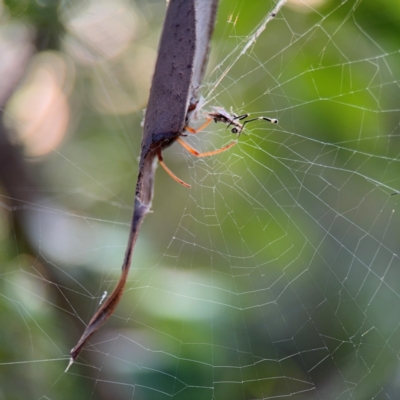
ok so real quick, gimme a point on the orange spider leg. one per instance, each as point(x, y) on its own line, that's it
point(200, 128)
point(169, 172)
point(193, 151)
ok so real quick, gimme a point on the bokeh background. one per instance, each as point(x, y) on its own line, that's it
point(275, 275)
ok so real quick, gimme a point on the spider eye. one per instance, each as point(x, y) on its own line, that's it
point(234, 130)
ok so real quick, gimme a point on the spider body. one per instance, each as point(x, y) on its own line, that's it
point(220, 115)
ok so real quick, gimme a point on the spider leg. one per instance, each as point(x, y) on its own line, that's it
point(251, 120)
point(272, 120)
point(193, 151)
point(239, 118)
point(169, 172)
point(200, 128)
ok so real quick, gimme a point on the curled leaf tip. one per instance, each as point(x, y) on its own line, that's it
point(71, 361)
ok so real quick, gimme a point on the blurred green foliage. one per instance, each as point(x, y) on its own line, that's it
point(43, 16)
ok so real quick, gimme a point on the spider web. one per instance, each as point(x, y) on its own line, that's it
point(276, 275)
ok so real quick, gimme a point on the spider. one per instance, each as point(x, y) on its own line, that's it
point(220, 115)
point(217, 115)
